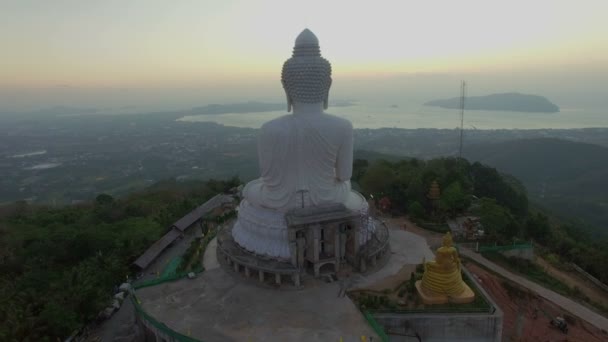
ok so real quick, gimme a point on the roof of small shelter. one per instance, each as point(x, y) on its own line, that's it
point(158, 247)
point(183, 223)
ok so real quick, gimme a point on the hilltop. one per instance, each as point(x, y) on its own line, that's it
point(566, 176)
point(513, 102)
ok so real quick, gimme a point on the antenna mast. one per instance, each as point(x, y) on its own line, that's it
point(463, 89)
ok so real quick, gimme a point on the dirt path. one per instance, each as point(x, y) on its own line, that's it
point(589, 289)
point(567, 304)
point(521, 321)
point(524, 316)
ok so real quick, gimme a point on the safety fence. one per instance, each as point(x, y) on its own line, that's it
point(504, 247)
point(166, 278)
point(590, 277)
point(170, 274)
point(375, 325)
point(150, 322)
point(159, 328)
point(171, 267)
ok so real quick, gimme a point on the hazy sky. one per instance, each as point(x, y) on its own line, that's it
point(148, 52)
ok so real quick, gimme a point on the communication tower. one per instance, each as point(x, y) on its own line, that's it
point(463, 91)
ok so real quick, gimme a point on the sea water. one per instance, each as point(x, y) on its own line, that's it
point(369, 115)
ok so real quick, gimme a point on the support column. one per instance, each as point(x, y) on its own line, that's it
point(301, 246)
point(356, 236)
point(337, 247)
point(261, 275)
point(236, 267)
point(342, 245)
point(277, 278)
point(296, 279)
point(293, 247)
point(316, 249)
point(247, 273)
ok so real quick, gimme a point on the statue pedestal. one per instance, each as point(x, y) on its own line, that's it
point(262, 231)
point(430, 297)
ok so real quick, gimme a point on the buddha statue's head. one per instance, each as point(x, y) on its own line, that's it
point(447, 240)
point(306, 76)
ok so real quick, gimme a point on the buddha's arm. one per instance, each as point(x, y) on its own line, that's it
point(267, 141)
point(344, 162)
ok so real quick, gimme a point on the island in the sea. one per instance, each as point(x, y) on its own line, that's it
point(513, 102)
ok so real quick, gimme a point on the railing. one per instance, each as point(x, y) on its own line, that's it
point(166, 278)
point(160, 327)
point(504, 247)
point(169, 274)
point(442, 310)
point(590, 277)
point(376, 326)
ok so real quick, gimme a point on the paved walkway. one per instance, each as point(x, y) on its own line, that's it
point(210, 256)
point(567, 304)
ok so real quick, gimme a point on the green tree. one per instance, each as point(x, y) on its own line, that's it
point(489, 183)
point(454, 199)
point(416, 191)
point(104, 199)
point(58, 266)
point(416, 210)
point(497, 220)
point(359, 169)
point(378, 179)
point(537, 227)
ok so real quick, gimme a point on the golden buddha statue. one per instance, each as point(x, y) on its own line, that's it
point(442, 278)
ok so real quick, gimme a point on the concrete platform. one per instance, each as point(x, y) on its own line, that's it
point(221, 306)
point(407, 249)
point(216, 306)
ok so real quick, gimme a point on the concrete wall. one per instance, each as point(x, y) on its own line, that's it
point(443, 327)
point(446, 326)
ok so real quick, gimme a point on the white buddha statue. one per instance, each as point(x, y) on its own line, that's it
point(305, 158)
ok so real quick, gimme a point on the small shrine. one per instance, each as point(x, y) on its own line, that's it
point(442, 279)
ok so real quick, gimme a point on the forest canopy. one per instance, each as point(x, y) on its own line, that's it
point(59, 266)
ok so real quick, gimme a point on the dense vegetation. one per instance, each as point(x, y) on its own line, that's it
point(407, 183)
point(58, 266)
point(567, 177)
point(499, 200)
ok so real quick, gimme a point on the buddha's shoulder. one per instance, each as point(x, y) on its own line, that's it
point(338, 120)
point(276, 124)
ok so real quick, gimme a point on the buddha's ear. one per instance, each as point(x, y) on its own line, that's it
point(289, 101)
point(326, 100)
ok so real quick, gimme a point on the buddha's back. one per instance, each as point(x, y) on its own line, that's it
point(303, 156)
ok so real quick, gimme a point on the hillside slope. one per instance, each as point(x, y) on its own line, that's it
point(569, 177)
point(514, 102)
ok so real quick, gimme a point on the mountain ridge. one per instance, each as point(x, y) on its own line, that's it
point(513, 102)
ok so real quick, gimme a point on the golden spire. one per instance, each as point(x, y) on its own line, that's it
point(434, 192)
